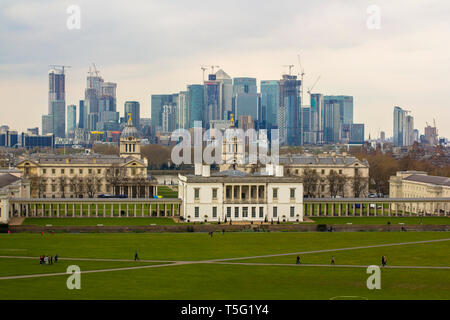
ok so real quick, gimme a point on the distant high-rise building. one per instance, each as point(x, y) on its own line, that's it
point(168, 118)
point(81, 115)
point(317, 117)
point(56, 103)
point(157, 103)
point(133, 108)
point(71, 118)
point(213, 105)
point(226, 93)
point(345, 114)
point(183, 110)
point(270, 100)
point(431, 135)
point(399, 127)
point(409, 130)
point(245, 98)
point(357, 133)
point(47, 124)
point(289, 113)
point(196, 103)
point(332, 122)
point(382, 136)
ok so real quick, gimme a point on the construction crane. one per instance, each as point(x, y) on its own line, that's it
point(310, 89)
point(55, 66)
point(301, 75)
point(204, 68)
point(290, 66)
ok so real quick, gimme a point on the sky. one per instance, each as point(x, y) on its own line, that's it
point(157, 47)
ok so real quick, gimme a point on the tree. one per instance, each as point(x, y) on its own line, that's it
point(158, 156)
point(332, 180)
point(359, 185)
point(77, 186)
point(62, 183)
point(114, 176)
point(310, 180)
point(92, 185)
point(39, 184)
point(341, 183)
point(106, 149)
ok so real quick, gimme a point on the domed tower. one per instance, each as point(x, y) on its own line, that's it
point(130, 143)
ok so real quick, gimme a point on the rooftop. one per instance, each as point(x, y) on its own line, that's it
point(437, 180)
point(6, 179)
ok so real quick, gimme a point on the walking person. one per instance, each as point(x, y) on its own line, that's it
point(56, 258)
point(332, 260)
point(136, 257)
point(298, 260)
point(383, 261)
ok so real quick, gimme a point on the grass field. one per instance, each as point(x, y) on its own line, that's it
point(145, 221)
point(95, 221)
point(203, 277)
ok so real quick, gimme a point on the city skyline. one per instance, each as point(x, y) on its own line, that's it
point(403, 63)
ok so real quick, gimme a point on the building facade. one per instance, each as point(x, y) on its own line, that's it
point(418, 184)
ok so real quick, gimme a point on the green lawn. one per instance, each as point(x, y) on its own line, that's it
point(167, 192)
point(95, 221)
point(219, 281)
point(382, 220)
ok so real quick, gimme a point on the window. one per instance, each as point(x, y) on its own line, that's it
point(53, 171)
point(245, 212)
point(261, 212)
point(197, 193)
point(133, 171)
point(99, 171)
point(90, 171)
point(214, 193)
point(71, 171)
point(292, 212)
point(253, 212)
point(236, 212)
point(44, 171)
point(80, 171)
point(323, 171)
point(275, 212)
point(53, 188)
point(275, 193)
point(214, 212)
point(196, 212)
point(62, 171)
point(292, 193)
point(340, 171)
point(228, 212)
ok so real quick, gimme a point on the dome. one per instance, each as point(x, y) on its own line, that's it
point(129, 131)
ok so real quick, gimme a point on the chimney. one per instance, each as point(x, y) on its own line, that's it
point(279, 171)
point(206, 171)
point(198, 169)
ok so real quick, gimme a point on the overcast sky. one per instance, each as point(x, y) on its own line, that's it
point(151, 47)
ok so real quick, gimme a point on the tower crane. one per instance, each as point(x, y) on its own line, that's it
point(55, 66)
point(204, 68)
point(310, 89)
point(301, 74)
point(290, 66)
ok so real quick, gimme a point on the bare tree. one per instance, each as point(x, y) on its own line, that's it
point(359, 185)
point(115, 175)
point(77, 185)
point(310, 180)
point(342, 181)
point(38, 184)
point(62, 183)
point(90, 186)
point(332, 181)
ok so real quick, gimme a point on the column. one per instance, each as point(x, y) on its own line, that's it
point(157, 209)
point(340, 209)
point(120, 209)
point(165, 210)
point(96, 210)
point(135, 210)
point(73, 210)
point(89, 209)
point(104, 209)
point(65, 209)
point(142, 209)
point(57, 210)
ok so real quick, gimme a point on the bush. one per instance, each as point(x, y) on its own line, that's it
point(322, 227)
point(190, 229)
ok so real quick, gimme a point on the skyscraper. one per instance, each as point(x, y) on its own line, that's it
point(183, 110)
point(317, 117)
point(196, 102)
point(213, 105)
point(71, 118)
point(289, 113)
point(56, 103)
point(409, 130)
point(345, 113)
point(245, 98)
point(81, 115)
point(133, 108)
point(332, 122)
point(157, 103)
point(399, 126)
point(226, 92)
point(270, 99)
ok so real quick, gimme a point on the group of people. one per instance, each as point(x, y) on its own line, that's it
point(48, 259)
point(383, 260)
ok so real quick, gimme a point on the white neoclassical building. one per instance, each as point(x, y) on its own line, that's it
point(233, 195)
